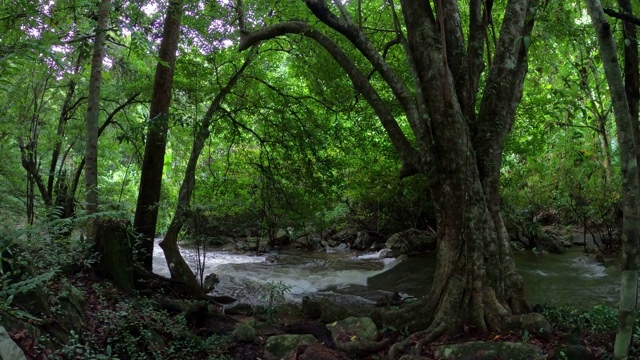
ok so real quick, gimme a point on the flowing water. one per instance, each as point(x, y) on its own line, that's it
point(353, 277)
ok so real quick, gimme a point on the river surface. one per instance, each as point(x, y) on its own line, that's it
point(356, 277)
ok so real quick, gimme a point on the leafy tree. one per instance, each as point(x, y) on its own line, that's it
point(458, 145)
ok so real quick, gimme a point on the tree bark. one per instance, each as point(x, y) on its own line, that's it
point(629, 169)
point(146, 216)
point(93, 114)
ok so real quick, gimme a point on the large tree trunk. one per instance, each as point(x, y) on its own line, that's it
point(630, 182)
point(146, 216)
point(458, 150)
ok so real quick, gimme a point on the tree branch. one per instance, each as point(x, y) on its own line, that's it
point(622, 16)
point(407, 152)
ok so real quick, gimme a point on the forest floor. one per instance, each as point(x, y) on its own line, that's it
point(117, 327)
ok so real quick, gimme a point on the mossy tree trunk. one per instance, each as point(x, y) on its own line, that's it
point(113, 243)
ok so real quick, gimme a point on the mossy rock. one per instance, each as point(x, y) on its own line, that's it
point(346, 333)
point(278, 347)
point(352, 329)
point(487, 351)
point(245, 332)
point(324, 310)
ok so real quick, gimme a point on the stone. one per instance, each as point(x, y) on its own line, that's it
point(323, 309)
point(315, 328)
point(573, 352)
point(552, 243)
point(363, 241)
point(487, 351)
point(591, 249)
point(278, 347)
point(239, 309)
point(9, 350)
point(71, 303)
point(412, 241)
point(245, 332)
point(353, 329)
point(319, 352)
point(385, 254)
point(210, 282)
point(282, 237)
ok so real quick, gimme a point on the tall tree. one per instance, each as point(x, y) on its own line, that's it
point(93, 114)
point(630, 184)
point(459, 133)
point(146, 216)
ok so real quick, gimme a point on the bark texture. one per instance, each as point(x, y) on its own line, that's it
point(146, 216)
point(629, 169)
point(458, 148)
point(93, 113)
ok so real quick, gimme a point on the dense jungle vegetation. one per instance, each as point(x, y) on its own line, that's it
point(493, 128)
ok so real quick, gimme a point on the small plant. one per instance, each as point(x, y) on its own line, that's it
point(273, 295)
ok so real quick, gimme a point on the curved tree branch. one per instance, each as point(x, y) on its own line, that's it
point(409, 155)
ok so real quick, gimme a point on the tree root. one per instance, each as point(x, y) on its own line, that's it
point(421, 338)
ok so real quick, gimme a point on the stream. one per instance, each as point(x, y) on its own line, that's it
point(356, 278)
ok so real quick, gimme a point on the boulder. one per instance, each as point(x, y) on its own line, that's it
point(552, 241)
point(315, 328)
point(347, 234)
point(9, 350)
point(245, 332)
point(353, 329)
point(281, 237)
point(71, 303)
point(323, 309)
point(239, 309)
point(308, 241)
point(487, 351)
point(278, 347)
point(210, 282)
point(385, 254)
point(591, 249)
point(319, 352)
point(411, 241)
point(363, 241)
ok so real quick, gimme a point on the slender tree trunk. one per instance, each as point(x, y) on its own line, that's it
point(146, 216)
point(629, 169)
point(177, 266)
point(93, 114)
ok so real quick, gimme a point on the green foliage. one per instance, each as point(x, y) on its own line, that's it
point(273, 295)
point(137, 330)
point(600, 319)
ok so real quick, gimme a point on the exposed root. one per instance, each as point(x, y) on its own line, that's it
point(421, 338)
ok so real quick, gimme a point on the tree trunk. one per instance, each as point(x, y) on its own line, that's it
point(177, 266)
point(93, 114)
point(629, 169)
point(146, 216)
